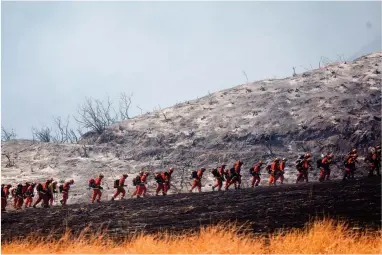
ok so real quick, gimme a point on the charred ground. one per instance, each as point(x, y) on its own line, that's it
point(263, 209)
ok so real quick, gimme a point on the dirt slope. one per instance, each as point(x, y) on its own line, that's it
point(264, 209)
point(327, 109)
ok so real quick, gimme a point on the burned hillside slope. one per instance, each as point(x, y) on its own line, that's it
point(327, 109)
point(263, 209)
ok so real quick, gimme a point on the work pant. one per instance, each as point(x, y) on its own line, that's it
point(302, 175)
point(96, 195)
point(166, 186)
point(238, 180)
point(44, 197)
point(196, 184)
point(65, 196)
point(281, 177)
point(227, 183)
point(255, 180)
point(142, 190)
point(272, 179)
point(160, 187)
point(120, 190)
point(51, 200)
point(233, 181)
point(15, 200)
point(324, 174)
point(374, 167)
point(219, 183)
point(135, 191)
point(19, 201)
point(3, 203)
point(28, 201)
point(349, 172)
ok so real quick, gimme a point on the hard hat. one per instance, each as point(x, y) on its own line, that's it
point(284, 159)
point(171, 169)
point(125, 175)
point(101, 175)
point(307, 155)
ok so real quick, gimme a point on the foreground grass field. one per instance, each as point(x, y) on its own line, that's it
point(326, 236)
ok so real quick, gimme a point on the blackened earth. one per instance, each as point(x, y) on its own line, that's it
point(262, 209)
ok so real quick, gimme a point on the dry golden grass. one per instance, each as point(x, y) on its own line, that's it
point(326, 236)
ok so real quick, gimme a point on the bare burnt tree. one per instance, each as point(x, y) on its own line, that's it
point(160, 140)
point(10, 162)
point(96, 115)
point(245, 74)
point(62, 130)
point(43, 134)
point(303, 147)
point(73, 137)
point(140, 109)
point(268, 146)
point(164, 115)
point(124, 106)
point(7, 135)
point(294, 71)
point(84, 150)
point(325, 61)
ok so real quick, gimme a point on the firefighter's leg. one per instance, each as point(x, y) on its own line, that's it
point(327, 174)
point(3, 203)
point(306, 176)
point(322, 175)
point(257, 180)
point(94, 195)
point(194, 184)
point(281, 178)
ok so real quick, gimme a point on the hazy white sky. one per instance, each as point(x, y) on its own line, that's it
point(54, 54)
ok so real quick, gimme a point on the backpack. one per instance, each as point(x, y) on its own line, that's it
point(91, 183)
point(135, 181)
point(19, 189)
point(60, 188)
point(319, 163)
point(116, 183)
point(215, 172)
point(232, 171)
point(39, 187)
point(194, 174)
point(159, 178)
point(251, 171)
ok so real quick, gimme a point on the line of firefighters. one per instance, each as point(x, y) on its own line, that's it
point(23, 194)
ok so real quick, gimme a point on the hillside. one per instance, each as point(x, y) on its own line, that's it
point(327, 109)
point(263, 210)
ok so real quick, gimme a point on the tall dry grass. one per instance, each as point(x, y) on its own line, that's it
point(326, 236)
